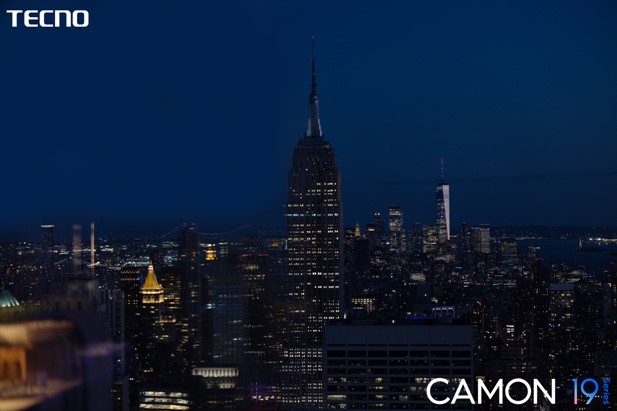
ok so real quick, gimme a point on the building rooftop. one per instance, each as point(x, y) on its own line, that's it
point(151, 283)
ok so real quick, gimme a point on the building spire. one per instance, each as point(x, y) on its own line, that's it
point(151, 284)
point(314, 73)
point(314, 126)
point(151, 291)
point(442, 172)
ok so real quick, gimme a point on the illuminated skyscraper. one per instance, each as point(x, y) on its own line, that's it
point(429, 240)
point(443, 209)
point(397, 230)
point(152, 300)
point(314, 251)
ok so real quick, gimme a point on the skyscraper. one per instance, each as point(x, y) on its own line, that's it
point(314, 255)
point(227, 296)
point(190, 294)
point(541, 306)
point(377, 235)
point(151, 309)
point(443, 209)
point(397, 230)
point(481, 239)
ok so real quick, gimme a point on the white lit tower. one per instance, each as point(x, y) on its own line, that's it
point(443, 210)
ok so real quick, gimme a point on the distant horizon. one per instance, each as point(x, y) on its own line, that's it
point(63, 231)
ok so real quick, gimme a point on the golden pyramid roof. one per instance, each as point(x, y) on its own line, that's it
point(151, 283)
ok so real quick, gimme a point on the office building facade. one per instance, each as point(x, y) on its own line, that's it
point(388, 366)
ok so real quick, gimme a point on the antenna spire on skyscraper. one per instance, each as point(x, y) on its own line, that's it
point(315, 278)
point(314, 73)
point(314, 125)
point(442, 173)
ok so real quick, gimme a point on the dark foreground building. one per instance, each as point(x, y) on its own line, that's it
point(60, 361)
point(388, 366)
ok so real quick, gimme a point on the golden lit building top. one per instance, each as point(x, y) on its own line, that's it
point(151, 291)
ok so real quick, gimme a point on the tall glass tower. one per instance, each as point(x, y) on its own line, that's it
point(443, 209)
point(315, 261)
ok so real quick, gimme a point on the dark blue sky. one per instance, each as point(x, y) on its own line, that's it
point(163, 112)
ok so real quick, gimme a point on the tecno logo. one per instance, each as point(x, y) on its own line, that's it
point(501, 390)
point(49, 18)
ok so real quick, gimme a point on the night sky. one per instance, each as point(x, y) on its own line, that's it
point(163, 112)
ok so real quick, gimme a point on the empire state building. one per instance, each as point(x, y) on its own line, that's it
point(314, 254)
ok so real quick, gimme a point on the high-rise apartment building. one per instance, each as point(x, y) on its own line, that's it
point(314, 261)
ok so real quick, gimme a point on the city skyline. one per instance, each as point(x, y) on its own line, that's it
point(437, 223)
point(161, 143)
